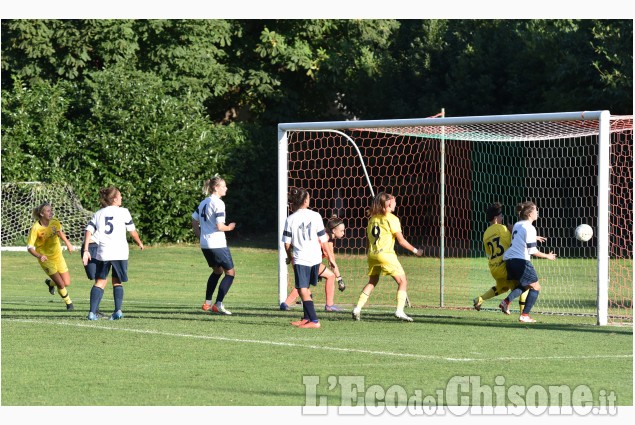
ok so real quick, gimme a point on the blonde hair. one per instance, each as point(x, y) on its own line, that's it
point(37, 211)
point(210, 184)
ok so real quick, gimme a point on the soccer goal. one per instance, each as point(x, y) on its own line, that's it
point(576, 166)
point(20, 198)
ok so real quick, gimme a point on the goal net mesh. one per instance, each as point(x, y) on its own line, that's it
point(18, 201)
point(553, 164)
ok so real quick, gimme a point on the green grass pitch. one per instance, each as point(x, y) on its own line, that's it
point(168, 352)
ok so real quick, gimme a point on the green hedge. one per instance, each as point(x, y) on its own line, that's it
point(158, 148)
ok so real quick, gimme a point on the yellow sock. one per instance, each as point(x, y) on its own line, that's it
point(362, 300)
point(491, 293)
point(402, 296)
point(64, 294)
point(521, 301)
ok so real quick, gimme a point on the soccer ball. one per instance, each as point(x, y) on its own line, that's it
point(583, 232)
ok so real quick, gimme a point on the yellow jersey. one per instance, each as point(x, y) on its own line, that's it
point(381, 232)
point(496, 240)
point(44, 238)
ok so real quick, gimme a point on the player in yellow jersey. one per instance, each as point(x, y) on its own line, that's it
point(382, 231)
point(496, 239)
point(44, 244)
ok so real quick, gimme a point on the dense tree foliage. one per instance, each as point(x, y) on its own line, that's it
point(158, 106)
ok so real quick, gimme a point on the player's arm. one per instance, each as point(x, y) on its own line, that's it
point(226, 227)
point(63, 237)
point(34, 253)
point(196, 226)
point(287, 248)
point(406, 245)
point(30, 246)
point(328, 250)
point(135, 236)
point(550, 256)
point(86, 255)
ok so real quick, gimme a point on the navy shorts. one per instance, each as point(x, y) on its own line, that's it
point(522, 271)
point(91, 267)
point(218, 257)
point(306, 275)
point(119, 269)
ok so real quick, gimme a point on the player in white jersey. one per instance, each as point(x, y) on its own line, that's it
point(208, 223)
point(111, 223)
point(304, 239)
point(518, 260)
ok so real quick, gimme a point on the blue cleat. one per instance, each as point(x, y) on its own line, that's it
point(332, 308)
point(284, 306)
point(92, 316)
point(116, 315)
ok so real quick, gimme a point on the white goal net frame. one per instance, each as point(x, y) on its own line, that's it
point(345, 163)
point(20, 198)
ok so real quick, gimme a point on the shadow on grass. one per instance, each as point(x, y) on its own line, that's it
point(265, 316)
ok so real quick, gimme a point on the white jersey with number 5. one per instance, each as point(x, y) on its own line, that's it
point(112, 223)
point(304, 230)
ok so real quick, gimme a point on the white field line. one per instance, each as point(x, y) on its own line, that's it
point(320, 347)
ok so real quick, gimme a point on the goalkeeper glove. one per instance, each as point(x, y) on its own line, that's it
point(340, 284)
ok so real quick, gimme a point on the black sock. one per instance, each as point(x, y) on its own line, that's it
point(212, 280)
point(95, 298)
point(225, 284)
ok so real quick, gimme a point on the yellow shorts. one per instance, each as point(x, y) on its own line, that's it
point(55, 264)
point(384, 264)
point(503, 285)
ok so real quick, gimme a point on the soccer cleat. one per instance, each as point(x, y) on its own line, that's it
point(284, 306)
point(310, 325)
point(220, 309)
point(206, 307)
point(332, 308)
point(300, 322)
point(524, 318)
point(477, 304)
point(92, 316)
point(356, 314)
point(100, 315)
point(70, 307)
point(116, 315)
point(51, 288)
point(504, 306)
point(403, 316)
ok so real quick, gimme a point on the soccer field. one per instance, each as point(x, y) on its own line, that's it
point(167, 352)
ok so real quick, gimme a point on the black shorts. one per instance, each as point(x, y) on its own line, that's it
point(306, 275)
point(521, 270)
point(91, 267)
point(218, 257)
point(119, 269)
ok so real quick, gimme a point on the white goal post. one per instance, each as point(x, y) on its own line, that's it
point(20, 198)
point(568, 163)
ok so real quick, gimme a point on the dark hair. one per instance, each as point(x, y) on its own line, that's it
point(107, 195)
point(297, 196)
point(332, 223)
point(524, 209)
point(494, 210)
point(378, 207)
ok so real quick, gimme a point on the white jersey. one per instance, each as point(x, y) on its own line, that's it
point(304, 230)
point(211, 212)
point(524, 242)
point(110, 224)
